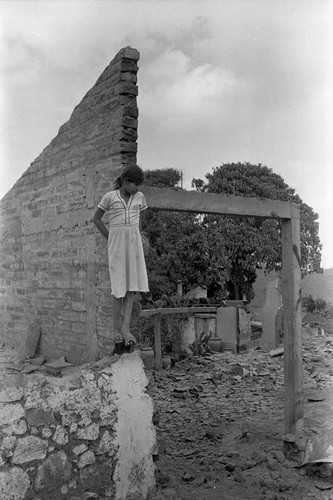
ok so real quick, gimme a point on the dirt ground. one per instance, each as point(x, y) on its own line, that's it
point(220, 424)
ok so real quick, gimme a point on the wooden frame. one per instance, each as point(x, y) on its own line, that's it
point(163, 311)
point(192, 201)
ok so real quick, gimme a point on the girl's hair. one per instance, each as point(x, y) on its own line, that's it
point(131, 174)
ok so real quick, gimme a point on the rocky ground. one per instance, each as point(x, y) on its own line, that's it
point(220, 426)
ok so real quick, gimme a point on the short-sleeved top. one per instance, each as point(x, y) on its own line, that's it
point(120, 212)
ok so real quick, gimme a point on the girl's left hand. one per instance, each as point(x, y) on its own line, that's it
point(145, 243)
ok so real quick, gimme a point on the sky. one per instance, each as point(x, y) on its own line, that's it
point(220, 81)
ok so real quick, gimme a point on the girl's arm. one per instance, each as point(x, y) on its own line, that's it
point(142, 219)
point(96, 219)
point(144, 237)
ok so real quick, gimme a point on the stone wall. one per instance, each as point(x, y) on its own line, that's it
point(52, 261)
point(90, 430)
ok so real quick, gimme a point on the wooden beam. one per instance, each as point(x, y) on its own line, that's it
point(210, 203)
point(292, 323)
point(146, 313)
point(157, 313)
point(191, 201)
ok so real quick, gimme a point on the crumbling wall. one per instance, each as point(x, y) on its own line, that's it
point(52, 261)
point(90, 430)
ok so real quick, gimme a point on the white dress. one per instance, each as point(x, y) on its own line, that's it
point(125, 251)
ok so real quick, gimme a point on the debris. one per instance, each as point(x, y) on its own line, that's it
point(188, 453)
point(222, 415)
point(28, 346)
point(16, 367)
point(319, 448)
point(278, 455)
point(294, 447)
point(244, 435)
point(289, 438)
point(187, 477)
point(57, 365)
point(321, 485)
point(38, 361)
point(88, 495)
point(213, 434)
point(161, 478)
point(30, 368)
point(276, 352)
point(238, 475)
point(230, 467)
point(316, 397)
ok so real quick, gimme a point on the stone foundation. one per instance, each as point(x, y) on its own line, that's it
point(89, 430)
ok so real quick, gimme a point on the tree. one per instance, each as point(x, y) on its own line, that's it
point(164, 177)
point(251, 242)
point(180, 248)
point(311, 304)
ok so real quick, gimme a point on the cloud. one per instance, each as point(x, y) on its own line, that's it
point(183, 91)
point(199, 87)
point(18, 56)
point(73, 32)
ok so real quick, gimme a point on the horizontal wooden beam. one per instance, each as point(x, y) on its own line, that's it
point(209, 203)
point(145, 313)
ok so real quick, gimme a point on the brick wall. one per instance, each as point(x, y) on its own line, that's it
point(53, 263)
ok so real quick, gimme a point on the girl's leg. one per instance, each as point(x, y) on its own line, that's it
point(116, 313)
point(128, 307)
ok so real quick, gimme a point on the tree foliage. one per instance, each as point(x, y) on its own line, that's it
point(311, 304)
point(252, 242)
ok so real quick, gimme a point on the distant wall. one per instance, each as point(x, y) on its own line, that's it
point(319, 285)
point(52, 261)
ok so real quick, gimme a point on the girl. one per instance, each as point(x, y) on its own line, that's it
point(127, 266)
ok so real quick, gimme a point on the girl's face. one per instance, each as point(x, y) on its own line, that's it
point(130, 187)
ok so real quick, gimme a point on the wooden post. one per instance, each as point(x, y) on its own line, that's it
point(292, 323)
point(158, 344)
point(179, 288)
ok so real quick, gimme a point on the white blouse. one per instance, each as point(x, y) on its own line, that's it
point(120, 212)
